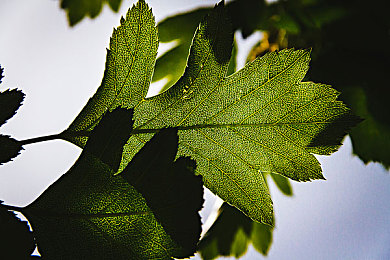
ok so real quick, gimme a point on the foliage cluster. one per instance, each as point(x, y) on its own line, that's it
point(137, 187)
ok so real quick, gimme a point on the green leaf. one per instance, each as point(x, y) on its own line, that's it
point(282, 183)
point(371, 139)
point(261, 237)
point(17, 241)
point(78, 9)
point(129, 67)
point(9, 148)
point(90, 213)
point(262, 119)
point(179, 29)
point(232, 233)
point(146, 173)
point(10, 101)
point(360, 72)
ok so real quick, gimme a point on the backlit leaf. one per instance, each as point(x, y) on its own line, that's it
point(90, 213)
point(261, 119)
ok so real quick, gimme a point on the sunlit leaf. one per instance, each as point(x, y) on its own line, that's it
point(260, 119)
point(90, 213)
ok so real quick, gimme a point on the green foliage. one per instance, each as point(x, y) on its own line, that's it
point(179, 191)
point(17, 242)
point(351, 32)
point(78, 9)
point(231, 234)
point(129, 67)
point(133, 193)
point(180, 30)
point(90, 213)
point(282, 183)
point(260, 119)
point(359, 41)
point(10, 101)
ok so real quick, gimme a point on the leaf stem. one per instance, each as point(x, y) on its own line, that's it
point(41, 139)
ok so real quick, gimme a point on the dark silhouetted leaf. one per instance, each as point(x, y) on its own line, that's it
point(371, 139)
point(232, 233)
point(78, 9)
point(16, 239)
point(10, 101)
point(90, 213)
point(164, 185)
point(9, 148)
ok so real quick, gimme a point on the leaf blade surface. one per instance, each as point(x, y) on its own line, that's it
point(112, 218)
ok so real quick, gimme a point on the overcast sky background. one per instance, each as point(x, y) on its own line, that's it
point(59, 68)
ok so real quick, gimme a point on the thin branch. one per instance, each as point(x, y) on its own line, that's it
point(41, 139)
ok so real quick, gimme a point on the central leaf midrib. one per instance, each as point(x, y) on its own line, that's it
point(48, 214)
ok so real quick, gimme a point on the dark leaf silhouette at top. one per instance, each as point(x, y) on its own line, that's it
point(90, 213)
point(10, 101)
point(78, 9)
point(16, 239)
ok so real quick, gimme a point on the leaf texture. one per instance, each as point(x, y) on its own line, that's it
point(129, 67)
point(262, 119)
point(90, 213)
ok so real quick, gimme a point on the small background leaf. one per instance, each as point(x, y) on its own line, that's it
point(180, 28)
point(232, 233)
point(78, 9)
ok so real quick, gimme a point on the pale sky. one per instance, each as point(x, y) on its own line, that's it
point(59, 68)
